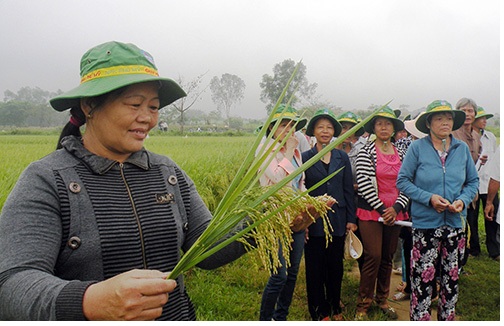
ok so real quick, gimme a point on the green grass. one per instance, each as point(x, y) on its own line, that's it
point(233, 292)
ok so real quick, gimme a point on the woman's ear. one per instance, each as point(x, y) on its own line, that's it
point(85, 106)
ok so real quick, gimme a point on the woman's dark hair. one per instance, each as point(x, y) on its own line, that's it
point(78, 118)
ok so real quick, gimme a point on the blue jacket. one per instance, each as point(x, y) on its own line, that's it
point(422, 175)
point(340, 187)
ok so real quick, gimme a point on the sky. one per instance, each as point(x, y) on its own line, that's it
point(360, 53)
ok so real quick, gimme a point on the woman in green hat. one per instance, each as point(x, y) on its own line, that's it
point(439, 176)
point(91, 231)
point(378, 164)
point(324, 261)
point(278, 292)
point(353, 143)
point(488, 148)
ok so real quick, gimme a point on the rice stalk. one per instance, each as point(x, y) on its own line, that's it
point(261, 208)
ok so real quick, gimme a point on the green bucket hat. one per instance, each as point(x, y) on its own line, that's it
point(288, 113)
point(327, 114)
point(112, 65)
point(481, 113)
point(439, 106)
point(388, 113)
point(351, 118)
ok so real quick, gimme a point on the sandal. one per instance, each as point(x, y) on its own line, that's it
point(401, 296)
point(401, 286)
point(389, 312)
point(338, 317)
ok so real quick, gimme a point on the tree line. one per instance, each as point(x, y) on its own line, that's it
point(29, 107)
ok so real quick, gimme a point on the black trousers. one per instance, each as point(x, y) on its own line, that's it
point(324, 275)
point(474, 248)
point(491, 227)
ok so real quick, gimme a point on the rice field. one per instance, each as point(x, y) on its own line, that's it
point(233, 292)
point(210, 161)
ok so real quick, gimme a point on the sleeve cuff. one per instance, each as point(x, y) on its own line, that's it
point(69, 301)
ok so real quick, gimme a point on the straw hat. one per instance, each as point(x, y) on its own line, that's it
point(410, 127)
point(353, 246)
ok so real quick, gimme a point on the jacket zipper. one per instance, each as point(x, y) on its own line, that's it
point(137, 218)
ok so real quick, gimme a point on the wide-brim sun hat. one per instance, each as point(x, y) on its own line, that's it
point(112, 65)
point(353, 246)
point(481, 113)
point(288, 113)
point(326, 114)
point(437, 107)
point(388, 113)
point(351, 118)
point(410, 127)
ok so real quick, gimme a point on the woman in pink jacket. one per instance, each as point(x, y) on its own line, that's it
point(277, 295)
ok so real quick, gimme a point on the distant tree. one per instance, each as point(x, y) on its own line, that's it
point(235, 123)
point(177, 109)
point(13, 114)
point(213, 117)
point(226, 92)
point(272, 86)
point(33, 103)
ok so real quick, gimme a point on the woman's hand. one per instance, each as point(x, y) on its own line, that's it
point(456, 207)
point(439, 203)
point(351, 227)
point(489, 211)
point(389, 216)
point(307, 217)
point(133, 295)
point(290, 145)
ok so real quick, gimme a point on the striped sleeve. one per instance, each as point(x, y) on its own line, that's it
point(366, 176)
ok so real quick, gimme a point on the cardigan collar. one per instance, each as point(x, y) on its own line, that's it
point(98, 164)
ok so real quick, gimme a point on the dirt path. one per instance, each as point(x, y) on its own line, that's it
point(402, 307)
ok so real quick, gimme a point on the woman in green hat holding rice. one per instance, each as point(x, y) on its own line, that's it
point(91, 231)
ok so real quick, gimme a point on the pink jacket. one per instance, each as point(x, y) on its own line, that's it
point(280, 167)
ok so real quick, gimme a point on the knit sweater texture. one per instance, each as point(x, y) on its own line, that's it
point(74, 219)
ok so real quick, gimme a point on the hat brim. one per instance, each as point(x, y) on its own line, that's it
point(486, 115)
point(299, 125)
point(458, 120)
point(410, 127)
point(169, 90)
point(313, 121)
point(398, 124)
point(359, 131)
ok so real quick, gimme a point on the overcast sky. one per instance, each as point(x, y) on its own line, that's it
point(358, 52)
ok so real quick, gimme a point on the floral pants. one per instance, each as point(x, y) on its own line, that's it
point(436, 252)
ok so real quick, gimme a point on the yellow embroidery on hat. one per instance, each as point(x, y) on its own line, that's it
point(441, 108)
point(119, 70)
point(386, 115)
point(347, 120)
point(285, 115)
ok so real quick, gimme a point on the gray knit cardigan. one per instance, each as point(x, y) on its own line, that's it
point(54, 241)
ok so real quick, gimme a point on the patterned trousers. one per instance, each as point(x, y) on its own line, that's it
point(436, 252)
